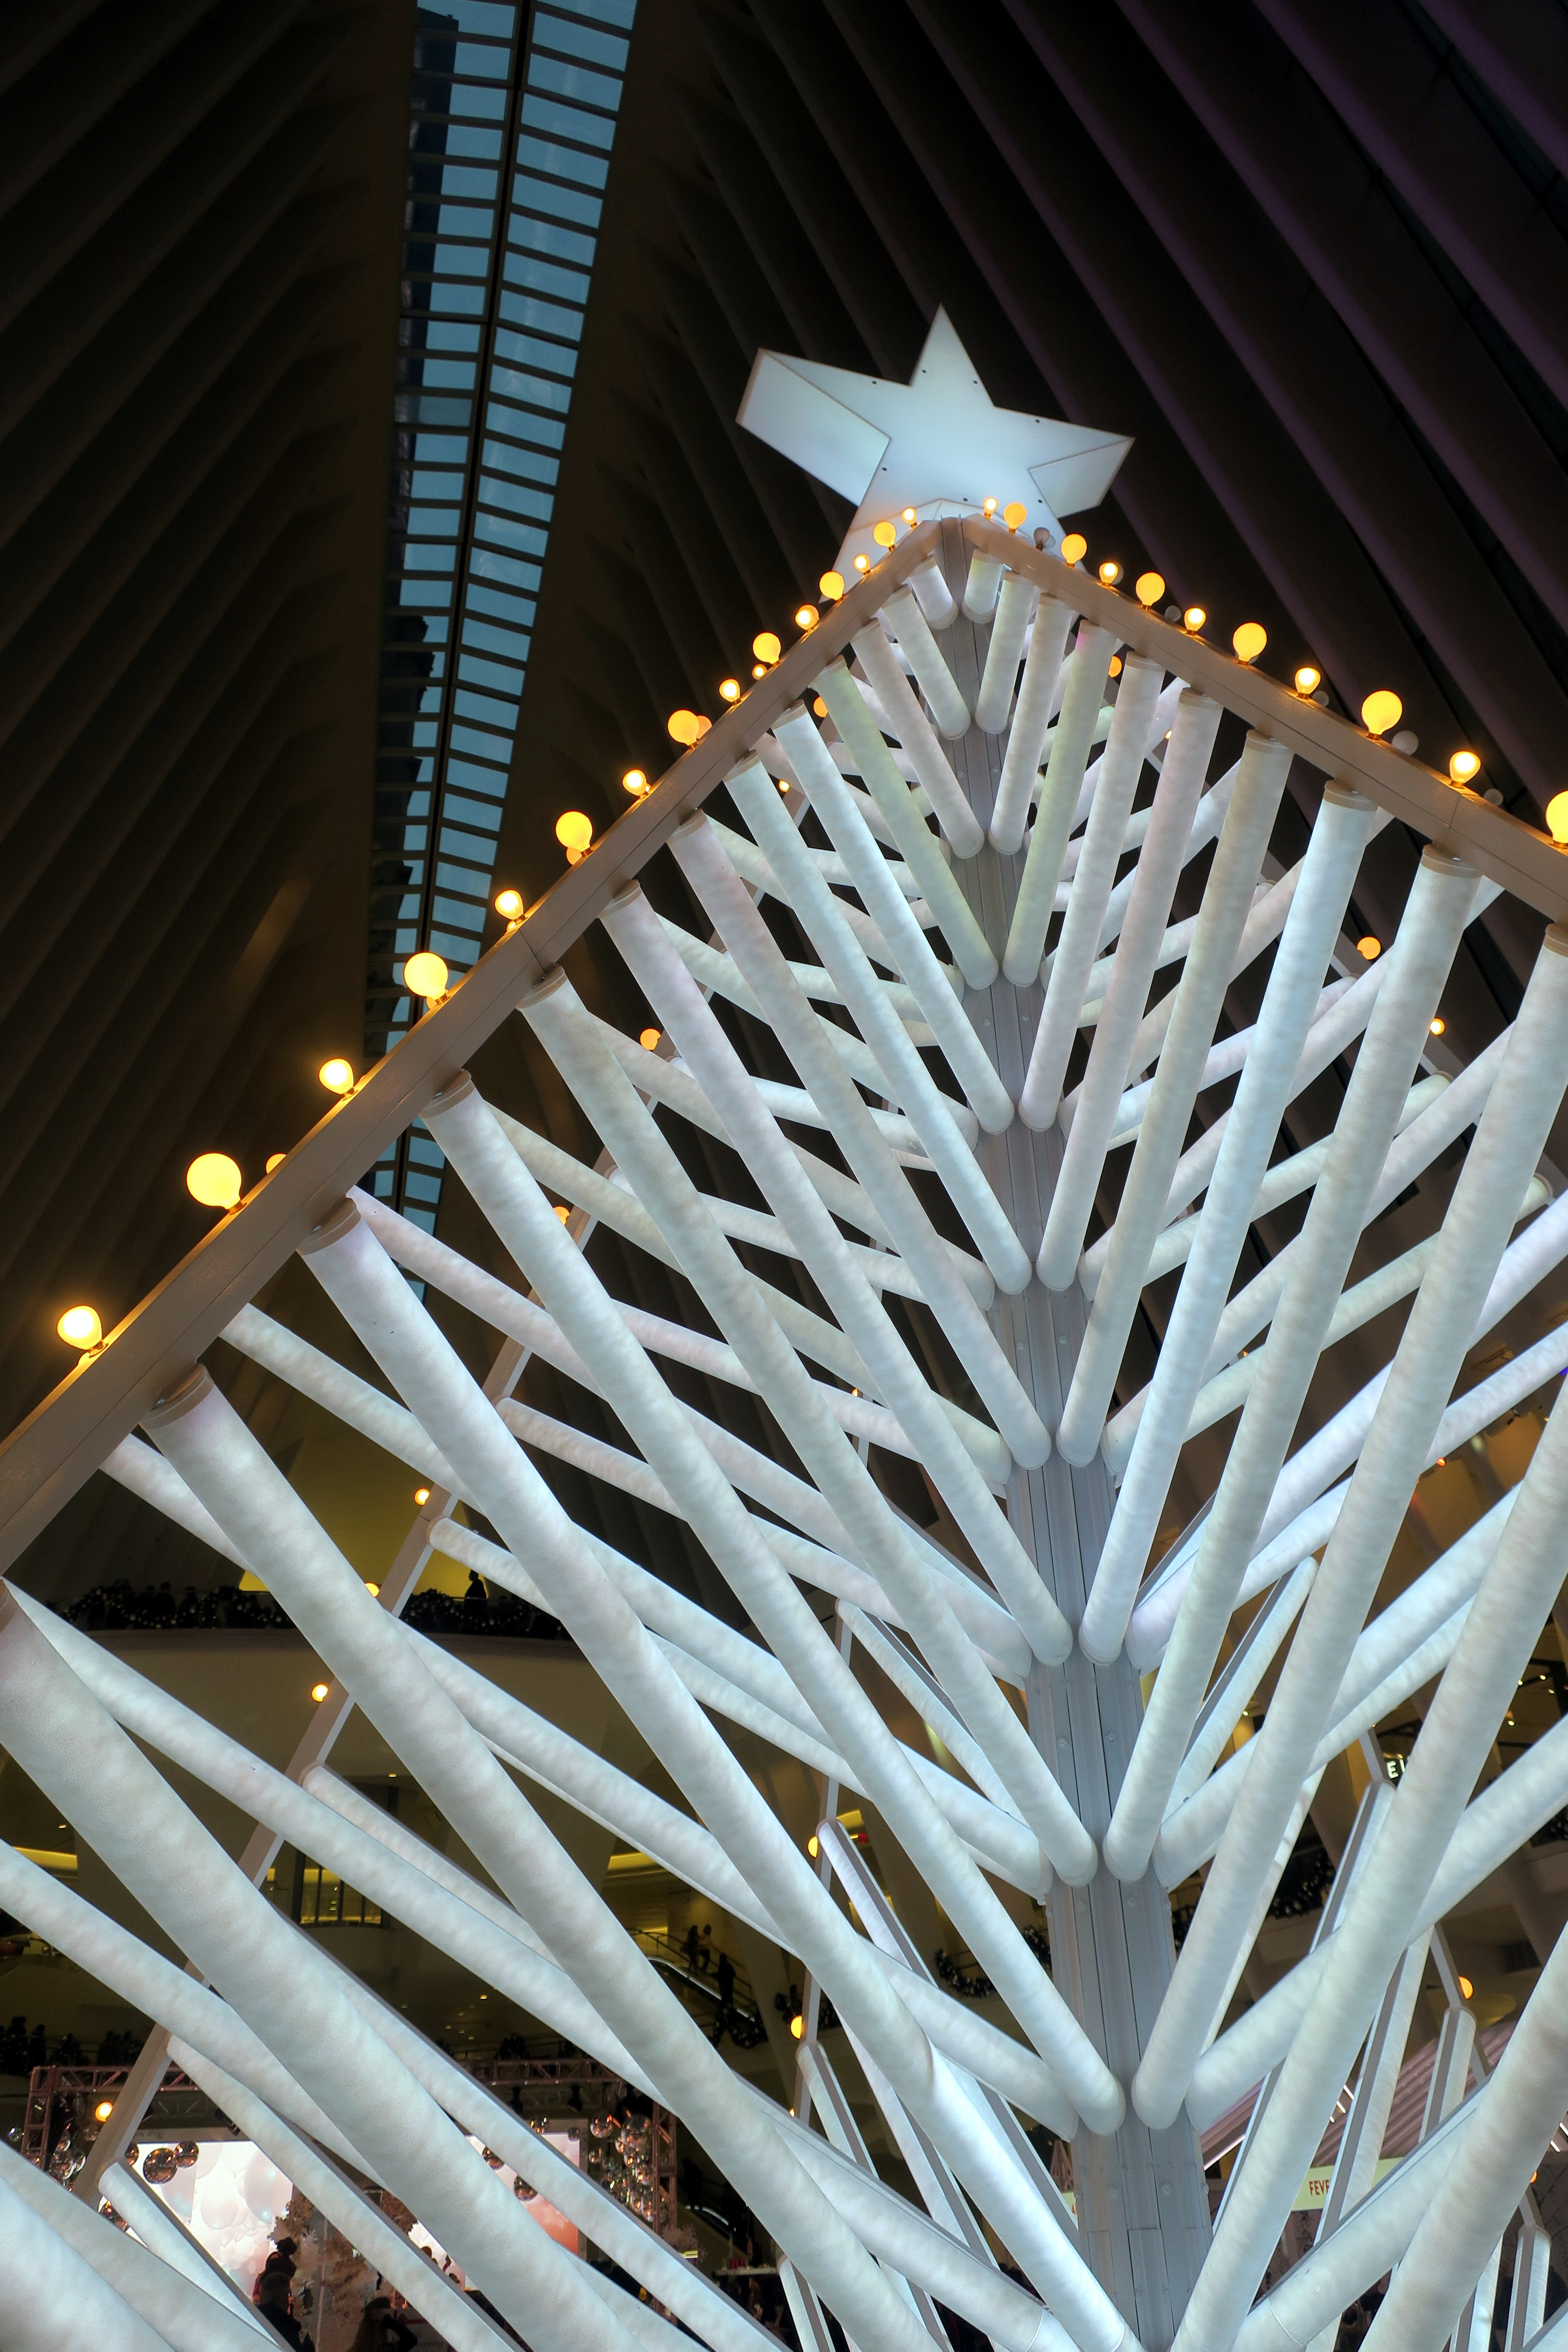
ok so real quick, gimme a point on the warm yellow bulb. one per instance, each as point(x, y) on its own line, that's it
point(276, 1160)
point(989, 507)
point(1075, 547)
point(214, 1180)
point(422, 1496)
point(884, 534)
point(1192, 619)
point(1109, 572)
point(831, 585)
point(1149, 587)
point(682, 724)
point(564, 1212)
point(819, 708)
point(797, 2027)
point(1557, 816)
point(508, 903)
point(909, 514)
point(649, 1040)
point(1015, 514)
point(812, 1846)
point(635, 782)
point(319, 1691)
point(1435, 1026)
point(766, 645)
point(1249, 640)
point(1381, 711)
point(730, 690)
point(337, 1075)
point(1308, 678)
point(573, 832)
point(103, 2110)
point(1464, 765)
point(1369, 949)
point(862, 563)
point(807, 617)
point(1115, 665)
point(426, 975)
point(78, 1327)
point(1465, 1987)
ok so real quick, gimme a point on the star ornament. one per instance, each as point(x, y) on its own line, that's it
point(938, 443)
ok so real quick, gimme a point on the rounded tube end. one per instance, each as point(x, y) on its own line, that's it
point(332, 1227)
point(183, 1398)
point(461, 1086)
point(553, 980)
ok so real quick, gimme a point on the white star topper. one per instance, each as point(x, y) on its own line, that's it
point(937, 444)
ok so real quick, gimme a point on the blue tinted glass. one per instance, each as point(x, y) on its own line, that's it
point(566, 203)
point(573, 81)
point(564, 161)
point(553, 32)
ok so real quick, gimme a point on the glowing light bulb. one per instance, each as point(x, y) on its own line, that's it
point(1249, 640)
point(819, 708)
point(989, 507)
point(766, 646)
point(1013, 515)
point(807, 617)
point(635, 782)
point(564, 1212)
point(1369, 949)
point(1308, 678)
point(1109, 572)
point(831, 585)
point(78, 1327)
point(909, 514)
point(103, 2110)
point(1381, 711)
point(1075, 547)
point(1435, 1026)
point(649, 1040)
point(1115, 669)
point(1557, 816)
point(682, 726)
point(1464, 765)
point(426, 975)
point(1192, 619)
point(783, 786)
point(337, 1075)
point(214, 1180)
point(1465, 1987)
point(575, 834)
point(508, 903)
point(422, 1496)
point(276, 1160)
point(884, 534)
point(759, 669)
point(319, 1691)
point(730, 690)
point(1149, 587)
point(812, 1846)
point(862, 563)
point(797, 2027)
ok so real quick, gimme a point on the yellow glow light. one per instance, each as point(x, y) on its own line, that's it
point(1464, 765)
point(884, 534)
point(426, 975)
point(103, 2110)
point(1381, 711)
point(682, 724)
point(1075, 547)
point(1109, 572)
point(1013, 515)
point(422, 1496)
point(319, 1691)
point(635, 782)
point(862, 563)
point(1557, 816)
point(766, 646)
point(909, 514)
point(78, 1327)
point(1115, 669)
point(214, 1180)
point(1436, 1026)
point(1466, 1986)
point(276, 1160)
point(831, 585)
point(818, 706)
point(1308, 678)
point(575, 832)
point(373, 1589)
point(649, 1040)
point(1369, 949)
point(730, 690)
point(1149, 587)
point(759, 669)
point(989, 507)
point(797, 2027)
point(564, 1212)
point(812, 1846)
point(508, 903)
point(1192, 619)
point(807, 617)
point(1249, 640)
point(337, 1075)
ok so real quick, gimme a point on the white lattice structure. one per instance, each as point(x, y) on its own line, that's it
point(1027, 1660)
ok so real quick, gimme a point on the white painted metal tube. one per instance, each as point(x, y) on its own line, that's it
point(1192, 740)
point(979, 589)
point(65, 1743)
point(906, 1224)
point(51, 2296)
point(380, 1418)
point(914, 731)
point(925, 977)
point(1014, 609)
point(166, 2237)
point(1475, 1230)
point(934, 597)
point(1339, 837)
point(1058, 805)
point(756, 1136)
point(965, 937)
point(1036, 697)
point(538, 1244)
point(902, 615)
point(142, 1469)
point(1199, 998)
point(905, 1074)
point(1093, 880)
point(181, 2315)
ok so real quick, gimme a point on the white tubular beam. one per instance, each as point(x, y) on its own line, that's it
point(902, 615)
point(1207, 818)
point(380, 1418)
point(914, 731)
point(1095, 872)
point(538, 1244)
point(1015, 610)
point(1419, 960)
point(888, 789)
point(1199, 998)
point(629, 1132)
point(906, 943)
point(1037, 697)
point(1480, 1213)
point(166, 2236)
point(980, 589)
point(752, 944)
point(370, 1656)
point(179, 2313)
point(755, 1135)
point(1526, 1574)
point(1058, 805)
point(51, 2296)
point(1333, 855)
point(934, 597)
point(1181, 779)
point(143, 1470)
point(904, 1074)
point(281, 1987)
